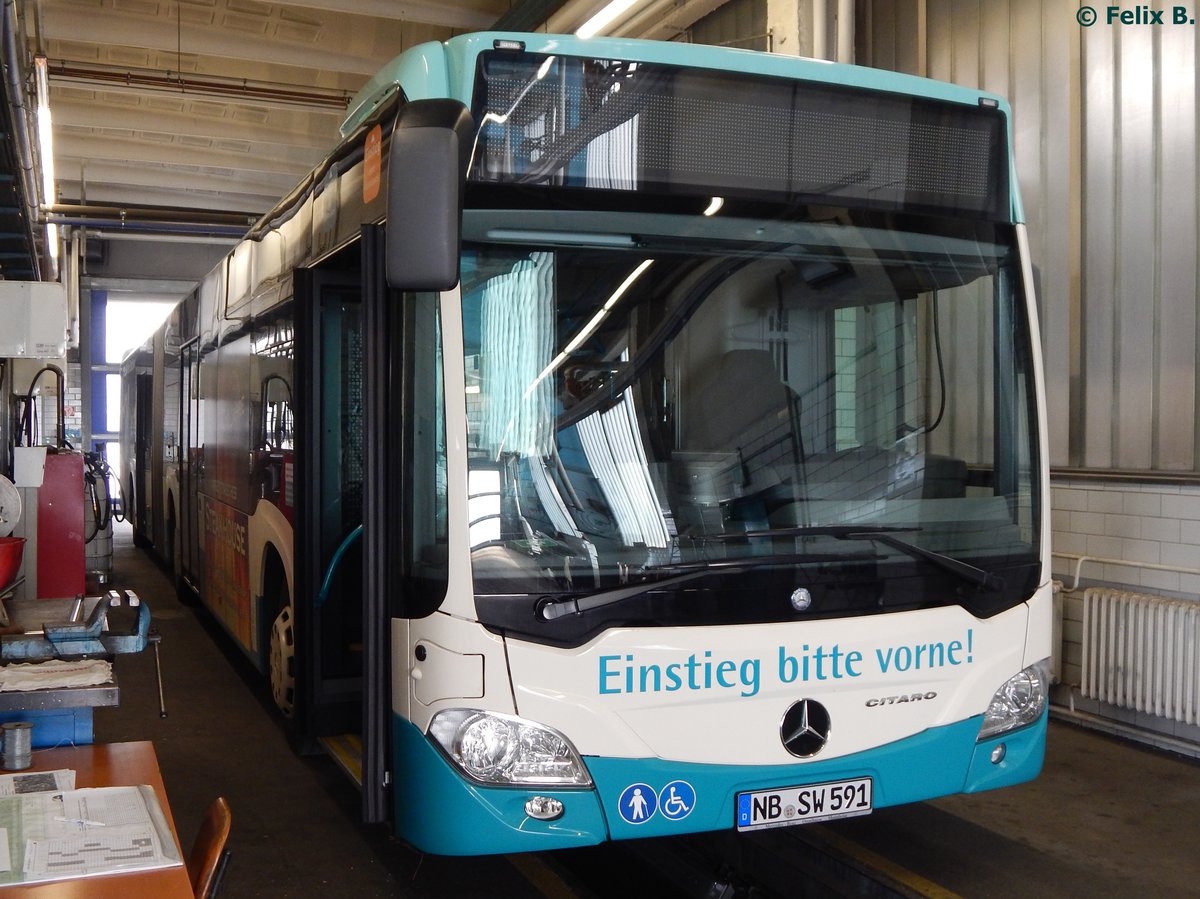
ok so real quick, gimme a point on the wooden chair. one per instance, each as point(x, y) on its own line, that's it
point(206, 863)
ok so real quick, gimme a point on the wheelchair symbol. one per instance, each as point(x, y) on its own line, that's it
point(676, 800)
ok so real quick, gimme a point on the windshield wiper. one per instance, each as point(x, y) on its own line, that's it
point(840, 531)
point(884, 535)
point(965, 570)
point(557, 608)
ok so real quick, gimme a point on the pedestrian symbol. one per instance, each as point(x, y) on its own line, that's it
point(676, 800)
point(637, 804)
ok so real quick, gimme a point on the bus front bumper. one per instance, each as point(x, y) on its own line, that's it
point(440, 811)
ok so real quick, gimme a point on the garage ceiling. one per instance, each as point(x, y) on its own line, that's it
point(216, 104)
point(209, 111)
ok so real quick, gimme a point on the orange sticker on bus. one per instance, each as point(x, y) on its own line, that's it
point(372, 163)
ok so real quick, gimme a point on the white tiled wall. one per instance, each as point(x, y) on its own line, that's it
point(74, 405)
point(1130, 522)
point(47, 409)
point(1151, 523)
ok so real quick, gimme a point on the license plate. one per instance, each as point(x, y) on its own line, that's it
point(804, 805)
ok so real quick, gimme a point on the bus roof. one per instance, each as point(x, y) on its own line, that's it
point(433, 69)
point(436, 70)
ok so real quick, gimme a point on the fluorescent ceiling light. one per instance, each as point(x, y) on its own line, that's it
point(45, 132)
point(604, 18)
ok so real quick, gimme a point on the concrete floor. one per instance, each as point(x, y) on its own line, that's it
point(295, 819)
point(1106, 818)
point(1111, 820)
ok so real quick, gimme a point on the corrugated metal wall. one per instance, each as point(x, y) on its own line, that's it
point(1106, 144)
point(738, 23)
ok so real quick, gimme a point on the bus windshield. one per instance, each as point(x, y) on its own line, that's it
point(723, 419)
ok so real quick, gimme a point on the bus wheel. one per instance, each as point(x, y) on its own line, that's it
point(283, 662)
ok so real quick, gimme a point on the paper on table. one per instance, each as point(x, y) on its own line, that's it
point(36, 782)
point(81, 833)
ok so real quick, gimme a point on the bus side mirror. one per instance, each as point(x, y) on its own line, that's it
point(427, 168)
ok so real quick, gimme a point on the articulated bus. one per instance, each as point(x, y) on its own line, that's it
point(613, 439)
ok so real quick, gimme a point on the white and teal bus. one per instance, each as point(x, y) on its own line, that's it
point(614, 439)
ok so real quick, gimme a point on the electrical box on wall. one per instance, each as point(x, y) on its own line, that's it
point(35, 318)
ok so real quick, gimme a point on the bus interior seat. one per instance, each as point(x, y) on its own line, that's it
point(743, 401)
point(854, 482)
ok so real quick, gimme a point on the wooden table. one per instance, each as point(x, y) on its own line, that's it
point(110, 765)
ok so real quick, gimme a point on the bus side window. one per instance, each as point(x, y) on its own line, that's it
point(426, 538)
point(277, 419)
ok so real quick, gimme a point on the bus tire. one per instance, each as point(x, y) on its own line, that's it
point(282, 656)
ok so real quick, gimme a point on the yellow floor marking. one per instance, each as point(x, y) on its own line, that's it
point(877, 862)
point(541, 875)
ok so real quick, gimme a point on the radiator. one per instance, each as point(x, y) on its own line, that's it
point(1142, 652)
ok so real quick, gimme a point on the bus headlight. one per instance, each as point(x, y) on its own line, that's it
point(1019, 702)
point(507, 751)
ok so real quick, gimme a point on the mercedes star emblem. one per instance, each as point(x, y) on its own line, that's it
point(805, 728)
point(801, 599)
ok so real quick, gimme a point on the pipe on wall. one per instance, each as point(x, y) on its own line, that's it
point(20, 119)
point(113, 227)
point(820, 27)
point(1151, 566)
point(845, 31)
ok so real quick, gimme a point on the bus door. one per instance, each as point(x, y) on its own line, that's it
point(191, 464)
point(349, 427)
point(142, 512)
point(404, 511)
point(383, 512)
point(328, 376)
